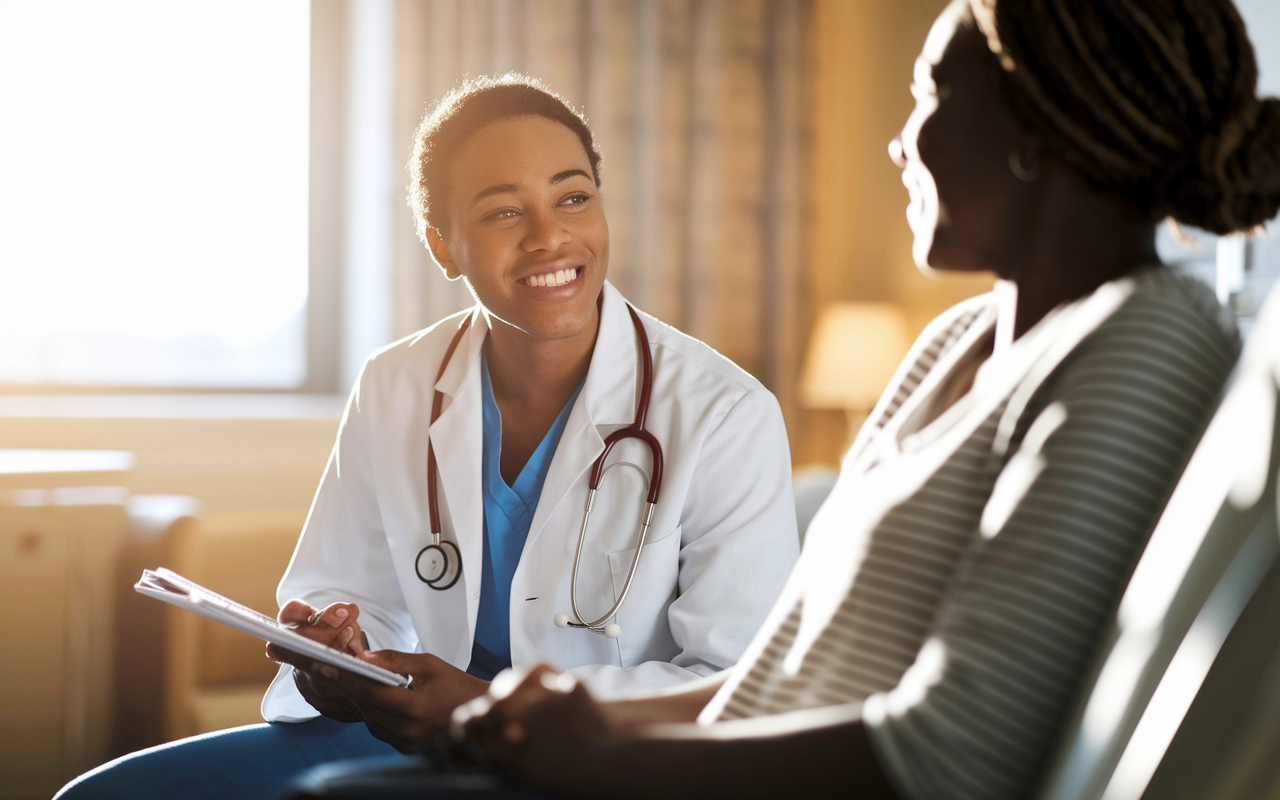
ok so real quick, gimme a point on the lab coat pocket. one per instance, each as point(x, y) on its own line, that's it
point(646, 632)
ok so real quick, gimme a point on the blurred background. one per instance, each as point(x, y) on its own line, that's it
point(203, 232)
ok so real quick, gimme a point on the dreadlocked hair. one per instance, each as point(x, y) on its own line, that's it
point(1153, 99)
point(468, 107)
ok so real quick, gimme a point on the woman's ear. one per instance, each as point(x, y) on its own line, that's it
point(1024, 160)
point(440, 253)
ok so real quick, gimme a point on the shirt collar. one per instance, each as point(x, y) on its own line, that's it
point(612, 383)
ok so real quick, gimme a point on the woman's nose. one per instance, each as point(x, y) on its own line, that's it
point(896, 153)
point(545, 233)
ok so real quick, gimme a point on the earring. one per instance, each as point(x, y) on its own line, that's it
point(1021, 171)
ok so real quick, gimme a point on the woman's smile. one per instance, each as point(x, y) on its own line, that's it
point(554, 279)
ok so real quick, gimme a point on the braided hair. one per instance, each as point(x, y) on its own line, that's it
point(1152, 99)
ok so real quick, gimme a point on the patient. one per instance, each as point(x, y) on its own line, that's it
point(953, 590)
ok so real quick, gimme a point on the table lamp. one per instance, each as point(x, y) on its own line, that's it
point(853, 352)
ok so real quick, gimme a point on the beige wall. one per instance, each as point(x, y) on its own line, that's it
point(859, 246)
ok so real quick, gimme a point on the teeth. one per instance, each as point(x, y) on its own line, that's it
point(557, 278)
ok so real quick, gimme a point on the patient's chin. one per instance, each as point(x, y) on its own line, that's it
point(938, 250)
point(930, 252)
point(923, 232)
point(941, 257)
point(920, 251)
point(926, 218)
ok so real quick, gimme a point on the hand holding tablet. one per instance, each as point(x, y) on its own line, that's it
point(170, 587)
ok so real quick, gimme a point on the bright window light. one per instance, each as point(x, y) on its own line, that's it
point(153, 192)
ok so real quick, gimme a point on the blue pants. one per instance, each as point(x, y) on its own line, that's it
point(256, 761)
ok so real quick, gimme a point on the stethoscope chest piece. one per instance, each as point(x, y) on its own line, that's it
point(439, 565)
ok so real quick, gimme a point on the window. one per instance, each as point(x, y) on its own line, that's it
point(154, 193)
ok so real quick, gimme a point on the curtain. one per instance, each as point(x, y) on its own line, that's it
point(698, 108)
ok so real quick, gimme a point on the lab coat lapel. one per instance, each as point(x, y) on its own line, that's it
point(457, 436)
point(607, 401)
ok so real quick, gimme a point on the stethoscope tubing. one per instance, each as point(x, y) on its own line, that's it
point(437, 400)
point(596, 625)
point(439, 582)
point(636, 430)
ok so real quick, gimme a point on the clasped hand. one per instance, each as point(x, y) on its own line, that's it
point(542, 727)
point(407, 719)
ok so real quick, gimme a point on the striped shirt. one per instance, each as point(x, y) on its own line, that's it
point(959, 578)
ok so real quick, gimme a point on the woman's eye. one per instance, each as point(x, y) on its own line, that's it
point(575, 199)
point(500, 214)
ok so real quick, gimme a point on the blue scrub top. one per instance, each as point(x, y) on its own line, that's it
point(508, 512)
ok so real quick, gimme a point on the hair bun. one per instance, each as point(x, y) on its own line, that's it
point(1233, 183)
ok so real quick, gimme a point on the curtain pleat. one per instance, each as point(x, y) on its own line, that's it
point(698, 107)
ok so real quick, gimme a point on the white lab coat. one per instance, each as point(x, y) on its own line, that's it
point(722, 543)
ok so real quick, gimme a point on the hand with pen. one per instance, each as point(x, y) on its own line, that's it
point(336, 626)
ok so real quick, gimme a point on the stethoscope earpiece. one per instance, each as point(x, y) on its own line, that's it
point(613, 630)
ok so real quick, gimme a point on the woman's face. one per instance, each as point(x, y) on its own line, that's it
point(526, 229)
point(967, 210)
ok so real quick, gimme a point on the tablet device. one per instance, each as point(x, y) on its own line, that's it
point(170, 587)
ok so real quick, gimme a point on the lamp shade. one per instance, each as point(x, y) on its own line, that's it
point(854, 351)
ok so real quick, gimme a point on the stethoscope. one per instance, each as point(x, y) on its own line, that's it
point(440, 568)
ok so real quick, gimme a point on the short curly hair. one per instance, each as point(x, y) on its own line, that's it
point(456, 117)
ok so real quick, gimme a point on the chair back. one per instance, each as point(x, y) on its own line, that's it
point(1214, 544)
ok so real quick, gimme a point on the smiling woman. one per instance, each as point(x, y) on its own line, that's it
point(539, 378)
point(449, 535)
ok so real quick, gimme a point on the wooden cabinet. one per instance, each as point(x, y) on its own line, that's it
point(63, 515)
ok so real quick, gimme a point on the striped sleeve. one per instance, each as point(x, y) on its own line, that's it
point(1098, 451)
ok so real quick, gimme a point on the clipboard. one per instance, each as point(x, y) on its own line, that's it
point(170, 587)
